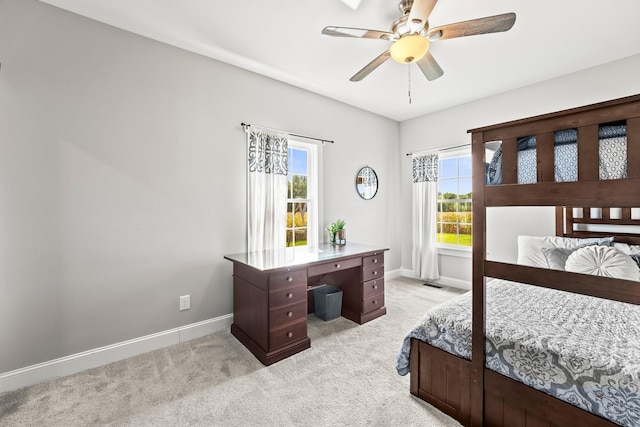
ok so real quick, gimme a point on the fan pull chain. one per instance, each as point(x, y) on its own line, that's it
point(409, 81)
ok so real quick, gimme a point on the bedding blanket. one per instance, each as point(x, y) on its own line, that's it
point(612, 163)
point(580, 349)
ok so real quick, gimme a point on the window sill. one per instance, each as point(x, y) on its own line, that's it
point(455, 251)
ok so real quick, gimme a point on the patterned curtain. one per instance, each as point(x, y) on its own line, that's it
point(267, 188)
point(425, 212)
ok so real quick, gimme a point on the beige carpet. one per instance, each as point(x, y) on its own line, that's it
point(346, 378)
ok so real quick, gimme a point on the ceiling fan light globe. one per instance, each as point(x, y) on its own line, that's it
point(409, 49)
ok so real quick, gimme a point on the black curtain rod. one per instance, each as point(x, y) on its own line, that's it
point(448, 148)
point(246, 125)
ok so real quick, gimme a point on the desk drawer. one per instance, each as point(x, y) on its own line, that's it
point(373, 260)
point(372, 303)
point(372, 287)
point(287, 280)
point(337, 265)
point(287, 334)
point(373, 273)
point(287, 314)
point(288, 296)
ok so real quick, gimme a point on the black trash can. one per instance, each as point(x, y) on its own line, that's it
point(328, 302)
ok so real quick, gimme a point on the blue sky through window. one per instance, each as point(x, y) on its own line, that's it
point(452, 168)
point(449, 168)
point(297, 162)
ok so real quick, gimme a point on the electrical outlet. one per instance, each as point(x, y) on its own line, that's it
point(185, 302)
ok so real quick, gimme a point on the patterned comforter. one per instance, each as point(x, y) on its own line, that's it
point(580, 349)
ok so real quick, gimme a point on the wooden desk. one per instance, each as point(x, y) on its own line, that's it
point(273, 293)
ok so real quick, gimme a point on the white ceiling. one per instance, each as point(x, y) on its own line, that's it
point(282, 39)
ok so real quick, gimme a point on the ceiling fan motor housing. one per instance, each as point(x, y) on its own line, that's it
point(400, 27)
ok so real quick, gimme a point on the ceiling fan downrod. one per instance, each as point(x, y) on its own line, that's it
point(405, 6)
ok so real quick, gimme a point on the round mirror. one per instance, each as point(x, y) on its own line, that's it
point(367, 183)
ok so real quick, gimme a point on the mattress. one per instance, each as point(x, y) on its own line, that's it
point(580, 349)
point(612, 157)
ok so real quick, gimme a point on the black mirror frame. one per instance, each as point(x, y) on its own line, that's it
point(358, 176)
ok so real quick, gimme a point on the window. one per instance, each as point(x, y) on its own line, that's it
point(302, 194)
point(454, 199)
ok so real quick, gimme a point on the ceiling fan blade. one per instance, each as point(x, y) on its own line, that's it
point(370, 67)
point(430, 67)
point(361, 33)
point(419, 14)
point(489, 24)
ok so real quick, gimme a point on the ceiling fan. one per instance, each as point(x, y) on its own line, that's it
point(411, 35)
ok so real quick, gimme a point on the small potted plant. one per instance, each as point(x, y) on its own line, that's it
point(337, 233)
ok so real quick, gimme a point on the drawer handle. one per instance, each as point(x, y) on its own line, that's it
point(375, 273)
point(337, 265)
point(375, 286)
point(289, 334)
point(375, 302)
point(375, 260)
point(290, 295)
point(290, 314)
point(289, 279)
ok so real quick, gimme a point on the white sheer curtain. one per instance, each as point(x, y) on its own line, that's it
point(425, 211)
point(267, 188)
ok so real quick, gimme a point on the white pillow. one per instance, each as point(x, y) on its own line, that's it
point(557, 257)
point(627, 249)
point(603, 261)
point(530, 247)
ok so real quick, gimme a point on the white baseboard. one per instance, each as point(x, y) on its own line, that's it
point(388, 275)
point(444, 281)
point(68, 365)
point(78, 362)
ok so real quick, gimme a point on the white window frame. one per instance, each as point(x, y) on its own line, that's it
point(314, 190)
point(445, 248)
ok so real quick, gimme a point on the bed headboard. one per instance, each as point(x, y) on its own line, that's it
point(599, 222)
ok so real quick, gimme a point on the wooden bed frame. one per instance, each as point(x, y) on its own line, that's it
point(465, 389)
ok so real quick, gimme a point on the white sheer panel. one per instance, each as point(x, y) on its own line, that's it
point(267, 189)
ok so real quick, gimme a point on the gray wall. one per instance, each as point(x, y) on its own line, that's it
point(449, 127)
point(123, 181)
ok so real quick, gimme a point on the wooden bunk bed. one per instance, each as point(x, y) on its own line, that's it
point(466, 389)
